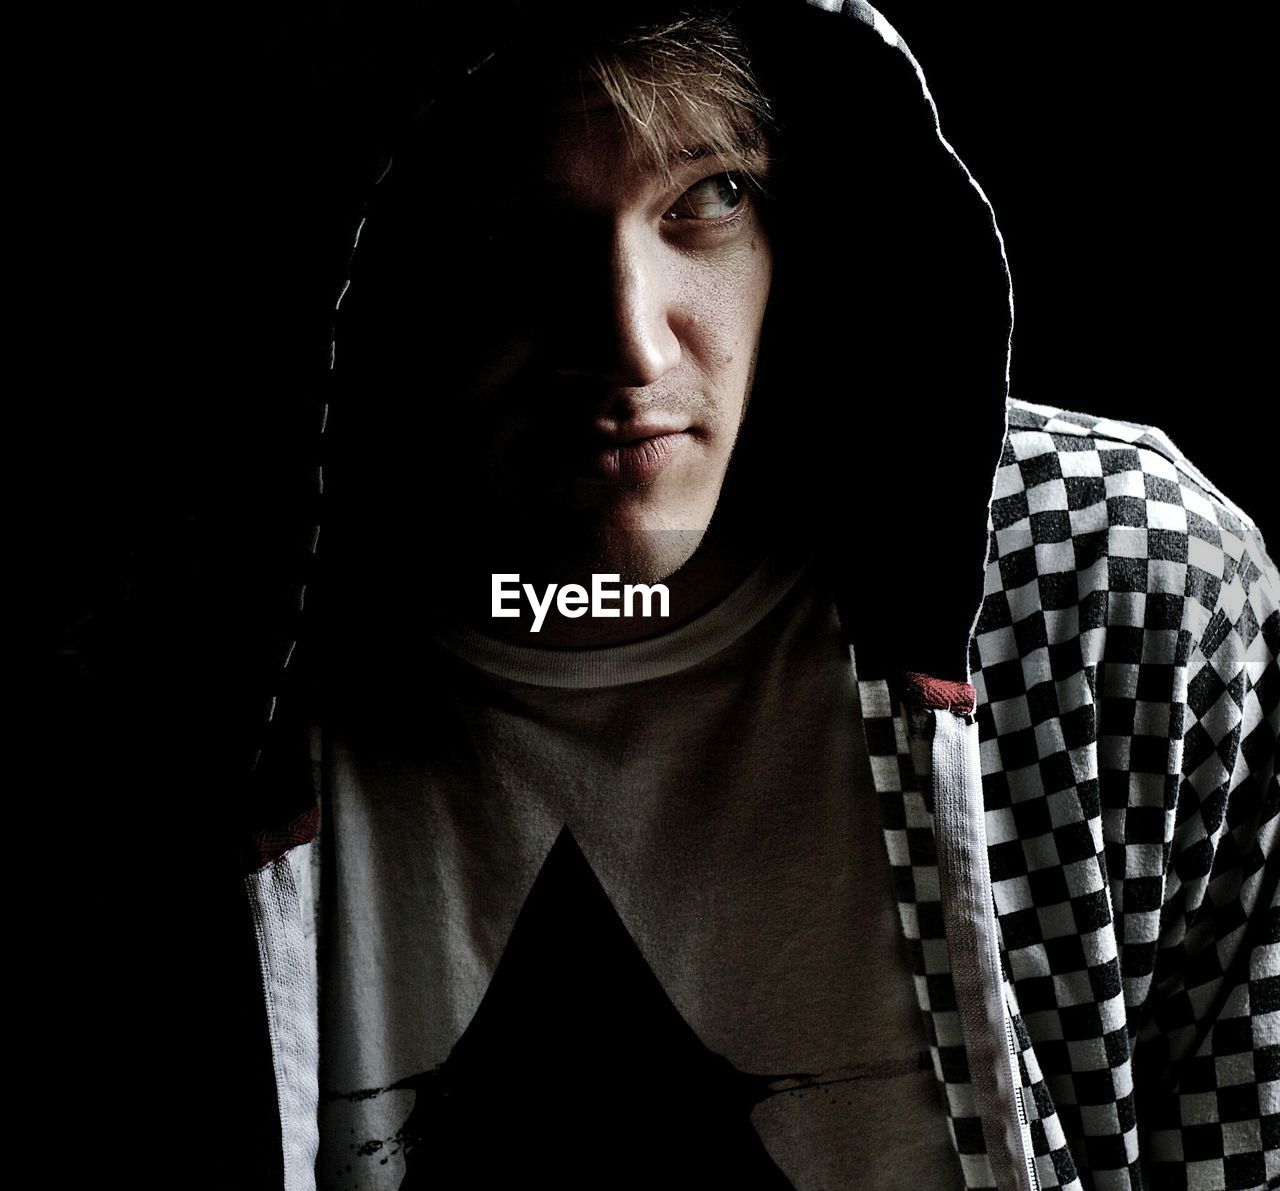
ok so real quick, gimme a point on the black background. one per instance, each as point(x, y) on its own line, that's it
point(184, 188)
point(1121, 148)
point(189, 203)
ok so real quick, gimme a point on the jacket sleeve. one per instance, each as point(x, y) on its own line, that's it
point(1207, 1057)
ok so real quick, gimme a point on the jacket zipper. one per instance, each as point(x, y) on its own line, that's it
point(1024, 1123)
point(973, 947)
point(289, 985)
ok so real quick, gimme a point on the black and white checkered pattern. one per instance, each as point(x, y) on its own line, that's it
point(1125, 661)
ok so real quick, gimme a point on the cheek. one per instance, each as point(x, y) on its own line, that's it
point(475, 350)
point(496, 360)
point(478, 319)
point(728, 322)
point(759, 277)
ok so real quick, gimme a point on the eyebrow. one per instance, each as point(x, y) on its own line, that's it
point(696, 153)
point(755, 163)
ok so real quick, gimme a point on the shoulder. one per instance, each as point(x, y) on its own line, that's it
point(1076, 492)
point(1109, 548)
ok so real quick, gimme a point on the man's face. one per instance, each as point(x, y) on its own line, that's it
point(602, 339)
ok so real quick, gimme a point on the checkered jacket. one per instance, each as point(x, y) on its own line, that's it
point(1082, 838)
point(1125, 725)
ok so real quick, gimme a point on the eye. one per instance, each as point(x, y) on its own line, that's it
point(717, 197)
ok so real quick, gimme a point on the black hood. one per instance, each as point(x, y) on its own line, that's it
point(883, 369)
point(885, 356)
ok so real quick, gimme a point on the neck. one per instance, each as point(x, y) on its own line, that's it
point(721, 561)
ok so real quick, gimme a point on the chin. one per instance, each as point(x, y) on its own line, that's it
point(642, 555)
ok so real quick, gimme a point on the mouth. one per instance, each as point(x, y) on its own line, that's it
point(638, 460)
point(602, 452)
point(634, 450)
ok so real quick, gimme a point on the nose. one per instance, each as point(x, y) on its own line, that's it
point(623, 330)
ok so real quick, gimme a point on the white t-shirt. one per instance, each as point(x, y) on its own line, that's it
point(621, 917)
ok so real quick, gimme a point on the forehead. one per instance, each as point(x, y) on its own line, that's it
point(558, 136)
point(570, 140)
point(583, 140)
point(576, 124)
point(574, 91)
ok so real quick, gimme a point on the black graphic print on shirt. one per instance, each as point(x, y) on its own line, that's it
point(577, 1067)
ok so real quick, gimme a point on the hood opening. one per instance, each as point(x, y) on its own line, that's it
point(883, 366)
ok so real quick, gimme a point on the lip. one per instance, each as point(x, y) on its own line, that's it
point(636, 458)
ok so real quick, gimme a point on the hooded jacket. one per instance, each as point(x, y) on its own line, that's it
point(1067, 646)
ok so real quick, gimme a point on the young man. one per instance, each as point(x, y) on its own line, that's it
point(856, 865)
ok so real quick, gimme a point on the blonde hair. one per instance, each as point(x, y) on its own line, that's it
point(685, 83)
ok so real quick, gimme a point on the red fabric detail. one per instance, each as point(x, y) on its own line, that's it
point(271, 845)
point(938, 694)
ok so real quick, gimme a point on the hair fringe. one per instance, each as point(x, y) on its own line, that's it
point(685, 82)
